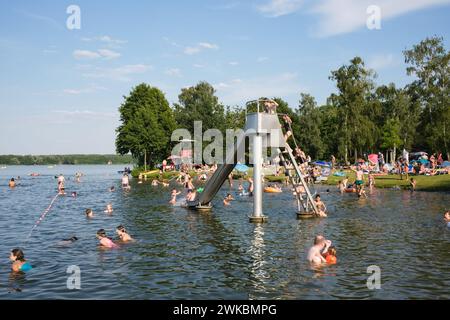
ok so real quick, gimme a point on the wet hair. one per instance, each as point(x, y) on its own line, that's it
point(12, 179)
point(332, 250)
point(317, 196)
point(88, 211)
point(72, 239)
point(121, 228)
point(101, 233)
point(18, 254)
point(319, 239)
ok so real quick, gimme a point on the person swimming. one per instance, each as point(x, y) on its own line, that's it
point(330, 255)
point(104, 240)
point(126, 182)
point(155, 183)
point(74, 194)
point(89, 213)
point(174, 195)
point(123, 234)
point(112, 189)
point(12, 183)
point(447, 216)
point(109, 208)
point(320, 206)
point(320, 247)
point(228, 199)
point(68, 241)
point(18, 261)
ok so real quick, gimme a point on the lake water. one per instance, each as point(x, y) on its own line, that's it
point(181, 254)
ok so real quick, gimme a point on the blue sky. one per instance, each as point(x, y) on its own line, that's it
point(60, 89)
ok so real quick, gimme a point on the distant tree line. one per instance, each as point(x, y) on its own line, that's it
point(360, 118)
point(65, 159)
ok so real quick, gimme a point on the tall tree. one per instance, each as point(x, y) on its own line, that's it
point(309, 118)
point(355, 84)
point(147, 124)
point(429, 62)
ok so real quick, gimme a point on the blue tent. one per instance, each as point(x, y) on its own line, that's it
point(241, 167)
point(322, 164)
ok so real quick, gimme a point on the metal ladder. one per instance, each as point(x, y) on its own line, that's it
point(302, 203)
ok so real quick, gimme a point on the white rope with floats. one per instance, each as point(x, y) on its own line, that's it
point(42, 217)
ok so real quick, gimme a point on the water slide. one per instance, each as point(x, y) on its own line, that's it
point(218, 178)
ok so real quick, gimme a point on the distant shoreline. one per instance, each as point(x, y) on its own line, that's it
point(66, 159)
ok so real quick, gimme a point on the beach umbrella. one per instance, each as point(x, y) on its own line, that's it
point(241, 167)
point(373, 158)
point(322, 163)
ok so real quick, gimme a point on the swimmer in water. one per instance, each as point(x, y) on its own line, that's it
point(89, 213)
point(447, 216)
point(320, 206)
point(122, 233)
point(12, 183)
point(74, 194)
point(413, 184)
point(109, 208)
point(126, 182)
point(240, 188)
point(228, 199)
point(104, 240)
point(112, 189)
point(61, 181)
point(174, 195)
point(18, 261)
point(65, 242)
point(330, 255)
point(155, 183)
point(315, 253)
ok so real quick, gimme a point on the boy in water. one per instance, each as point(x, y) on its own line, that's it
point(320, 206)
point(174, 195)
point(359, 178)
point(447, 216)
point(126, 182)
point(320, 247)
point(228, 199)
point(89, 213)
point(109, 208)
point(12, 183)
point(122, 233)
point(61, 181)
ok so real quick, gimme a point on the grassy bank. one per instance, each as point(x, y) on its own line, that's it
point(424, 183)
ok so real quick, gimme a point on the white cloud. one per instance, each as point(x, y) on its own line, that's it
point(90, 89)
point(381, 61)
point(233, 63)
point(277, 8)
point(105, 39)
point(108, 54)
point(122, 73)
point(236, 91)
point(343, 16)
point(173, 72)
point(190, 50)
point(85, 54)
point(101, 53)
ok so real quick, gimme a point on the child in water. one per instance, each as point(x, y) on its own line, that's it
point(89, 213)
point(122, 233)
point(104, 240)
point(447, 216)
point(320, 206)
point(109, 208)
point(330, 255)
point(18, 261)
point(12, 183)
point(174, 195)
point(228, 199)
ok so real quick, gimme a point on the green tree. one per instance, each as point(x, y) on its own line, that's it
point(147, 125)
point(391, 136)
point(429, 62)
point(199, 103)
point(309, 119)
point(355, 84)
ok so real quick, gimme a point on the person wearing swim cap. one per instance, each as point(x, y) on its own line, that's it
point(18, 261)
point(104, 240)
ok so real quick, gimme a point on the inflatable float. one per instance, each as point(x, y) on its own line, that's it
point(350, 190)
point(272, 190)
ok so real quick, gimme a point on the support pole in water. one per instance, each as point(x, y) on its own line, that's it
point(257, 177)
